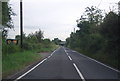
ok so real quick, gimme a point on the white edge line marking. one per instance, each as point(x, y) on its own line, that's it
point(33, 68)
point(80, 74)
point(30, 70)
point(73, 51)
point(70, 58)
point(100, 63)
point(53, 52)
point(48, 56)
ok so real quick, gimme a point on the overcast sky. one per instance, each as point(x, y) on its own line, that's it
point(57, 18)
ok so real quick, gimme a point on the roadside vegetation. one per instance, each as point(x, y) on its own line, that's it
point(97, 36)
point(14, 58)
point(15, 62)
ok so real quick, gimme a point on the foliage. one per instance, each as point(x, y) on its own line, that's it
point(97, 36)
point(56, 41)
point(33, 41)
point(7, 12)
point(39, 35)
point(14, 58)
point(11, 63)
point(109, 30)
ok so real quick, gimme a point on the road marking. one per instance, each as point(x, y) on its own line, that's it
point(67, 54)
point(54, 51)
point(34, 67)
point(70, 58)
point(65, 51)
point(73, 51)
point(104, 65)
point(48, 56)
point(30, 70)
point(80, 74)
point(99, 62)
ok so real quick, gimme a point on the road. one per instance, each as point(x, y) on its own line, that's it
point(64, 63)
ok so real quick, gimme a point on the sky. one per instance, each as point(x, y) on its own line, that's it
point(56, 18)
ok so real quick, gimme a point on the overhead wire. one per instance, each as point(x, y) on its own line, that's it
point(99, 3)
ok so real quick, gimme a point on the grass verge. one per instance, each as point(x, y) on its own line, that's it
point(48, 49)
point(102, 57)
point(12, 63)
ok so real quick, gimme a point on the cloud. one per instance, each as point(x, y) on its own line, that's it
point(56, 18)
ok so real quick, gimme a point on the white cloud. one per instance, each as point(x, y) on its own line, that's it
point(56, 18)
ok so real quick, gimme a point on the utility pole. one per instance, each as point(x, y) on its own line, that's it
point(119, 8)
point(21, 25)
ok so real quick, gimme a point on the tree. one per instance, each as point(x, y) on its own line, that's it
point(18, 36)
point(90, 20)
point(93, 14)
point(97, 37)
point(6, 18)
point(56, 41)
point(39, 35)
point(88, 34)
point(109, 30)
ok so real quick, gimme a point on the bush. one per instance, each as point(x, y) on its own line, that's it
point(9, 48)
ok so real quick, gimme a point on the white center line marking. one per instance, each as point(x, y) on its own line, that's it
point(80, 74)
point(70, 58)
point(66, 52)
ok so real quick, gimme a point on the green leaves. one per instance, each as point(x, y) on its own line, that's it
point(6, 18)
point(6, 15)
point(97, 36)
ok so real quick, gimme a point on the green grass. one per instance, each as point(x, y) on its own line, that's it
point(12, 63)
point(102, 57)
point(49, 49)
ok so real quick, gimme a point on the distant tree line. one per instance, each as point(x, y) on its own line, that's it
point(97, 36)
point(57, 41)
point(34, 41)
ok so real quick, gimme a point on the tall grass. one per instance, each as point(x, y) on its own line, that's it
point(14, 58)
point(102, 57)
point(14, 62)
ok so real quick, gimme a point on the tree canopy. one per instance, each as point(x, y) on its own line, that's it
point(7, 14)
point(97, 35)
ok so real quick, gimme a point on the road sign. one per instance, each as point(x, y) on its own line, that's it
point(12, 41)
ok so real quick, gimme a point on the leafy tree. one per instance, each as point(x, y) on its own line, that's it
point(47, 43)
point(93, 14)
point(39, 35)
point(97, 36)
point(18, 36)
point(56, 41)
point(6, 18)
point(109, 30)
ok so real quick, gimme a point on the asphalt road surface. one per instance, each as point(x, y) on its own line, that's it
point(64, 63)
